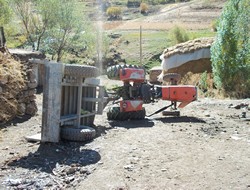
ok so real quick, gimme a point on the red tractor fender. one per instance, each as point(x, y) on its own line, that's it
point(179, 93)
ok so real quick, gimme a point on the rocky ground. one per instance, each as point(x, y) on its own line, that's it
point(207, 147)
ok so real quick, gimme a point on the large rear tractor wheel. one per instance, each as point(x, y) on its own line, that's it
point(114, 113)
point(84, 71)
point(113, 72)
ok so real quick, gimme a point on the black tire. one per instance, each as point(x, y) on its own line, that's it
point(113, 72)
point(173, 78)
point(83, 71)
point(138, 115)
point(84, 133)
point(115, 114)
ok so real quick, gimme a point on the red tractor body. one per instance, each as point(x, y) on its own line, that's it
point(130, 105)
point(136, 91)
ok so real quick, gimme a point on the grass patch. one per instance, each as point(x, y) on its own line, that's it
point(153, 42)
point(201, 33)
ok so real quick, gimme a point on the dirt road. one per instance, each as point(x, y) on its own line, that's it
point(193, 15)
point(207, 147)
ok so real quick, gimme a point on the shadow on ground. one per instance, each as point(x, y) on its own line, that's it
point(132, 123)
point(48, 156)
point(181, 119)
point(15, 121)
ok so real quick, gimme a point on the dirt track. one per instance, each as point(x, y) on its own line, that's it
point(194, 15)
point(206, 148)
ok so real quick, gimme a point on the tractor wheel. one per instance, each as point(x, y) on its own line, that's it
point(115, 114)
point(173, 78)
point(83, 71)
point(113, 72)
point(138, 115)
point(84, 133)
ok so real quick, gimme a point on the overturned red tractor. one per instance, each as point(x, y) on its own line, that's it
point(136, 91)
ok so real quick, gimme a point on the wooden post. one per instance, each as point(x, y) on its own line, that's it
point(52, 102)
point(79, 102)
point(2, 37)
point(140, 45)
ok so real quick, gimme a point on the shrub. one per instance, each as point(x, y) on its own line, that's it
point(203, 82)
point(114, 12)
point(230, 53)
point(214, 25)
point(144, 8)
point(179, 35)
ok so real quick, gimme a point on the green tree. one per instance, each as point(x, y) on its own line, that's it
point(23, 10)
point(67, 29)
point(5, 12)
point(44, 19)
point(56, 27)
point(178, 35)
point(36, 18)
point(230, 53)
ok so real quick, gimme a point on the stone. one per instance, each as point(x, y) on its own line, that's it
point(70, 170)
point(83, 170)
point(31, 108)
point(3, 79)
point(21, 109)
point(32, 84)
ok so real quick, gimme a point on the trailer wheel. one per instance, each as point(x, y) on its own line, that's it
point(113, 72)
point(173, 78)
point(84, 133)
point(84, 71)
point(115, 114)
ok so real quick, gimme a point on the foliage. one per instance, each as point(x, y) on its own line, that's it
point(23, 10)
point(114, 12)
point(67, 28)
point(214, 25)
point(54, 26)
point(144, 8)
point(36, 18)
point(230, 54)
point(5, 12)
point(178, 35)
point(203, 82)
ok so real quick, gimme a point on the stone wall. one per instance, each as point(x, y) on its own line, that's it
point(25, 98)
